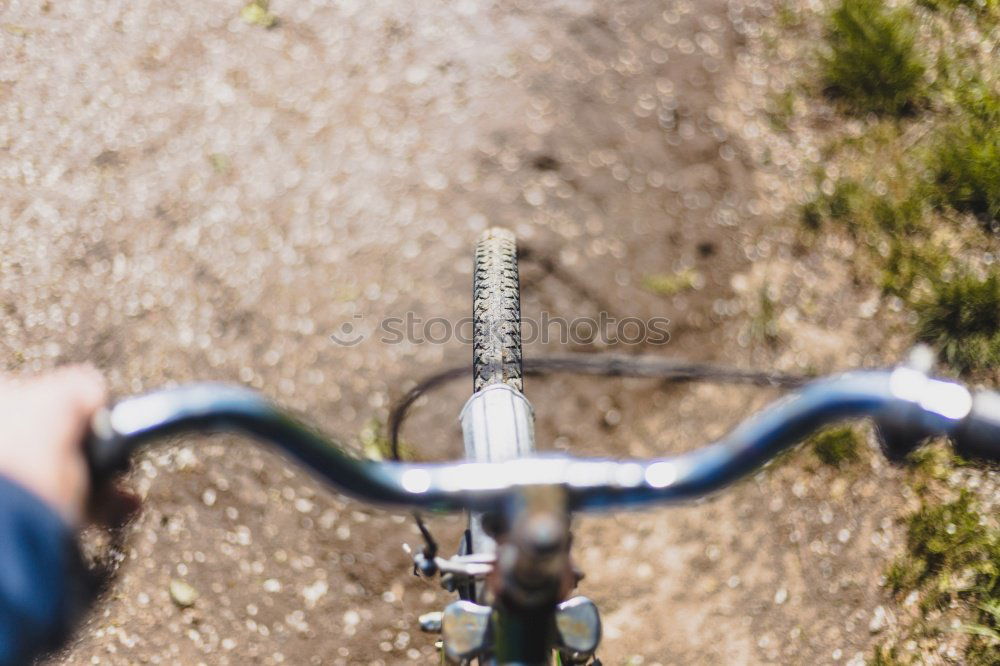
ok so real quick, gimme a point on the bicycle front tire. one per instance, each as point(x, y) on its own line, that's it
point(496, 356)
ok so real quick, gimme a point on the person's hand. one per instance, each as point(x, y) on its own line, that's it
point(43, 421)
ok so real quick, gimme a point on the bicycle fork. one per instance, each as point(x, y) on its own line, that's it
point(519, 613)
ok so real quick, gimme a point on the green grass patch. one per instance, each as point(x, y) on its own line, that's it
point(953, 556)
point(910, 262)
point(894, 183)
point(985, 647)
point(872, 64)
point(837, 446)
point(894, 227)
point(962, 319)
point(858, 209)
point(840, 205)
point(933, 462)
point(945, 542)
point(965, 159)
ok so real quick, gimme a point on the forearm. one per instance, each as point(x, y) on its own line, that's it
point(38, 562)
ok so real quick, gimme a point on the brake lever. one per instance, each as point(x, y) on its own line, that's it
point(425, 562)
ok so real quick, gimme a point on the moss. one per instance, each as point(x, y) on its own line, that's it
point(837, 446)
point(965, 158)
point(872, 64)
point(668, 284)
point(962, 319)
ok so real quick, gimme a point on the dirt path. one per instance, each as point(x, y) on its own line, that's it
point(188, 196)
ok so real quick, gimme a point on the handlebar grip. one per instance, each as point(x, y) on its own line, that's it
point(107, 451)
point(978, 436)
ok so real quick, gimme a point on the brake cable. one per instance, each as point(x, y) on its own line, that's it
point(610, 365)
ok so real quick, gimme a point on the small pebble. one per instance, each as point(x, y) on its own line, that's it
point(182, 594)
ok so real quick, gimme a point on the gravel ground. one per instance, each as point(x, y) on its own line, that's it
point(186, 195)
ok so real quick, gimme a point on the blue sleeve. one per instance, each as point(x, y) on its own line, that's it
point(38, 561)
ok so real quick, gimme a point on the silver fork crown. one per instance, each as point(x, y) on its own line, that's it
point(497, 421)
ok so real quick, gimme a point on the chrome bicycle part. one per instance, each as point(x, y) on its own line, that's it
point(465, 630)
point(430, 623)
point(496, 418)
point(495, 414)
point(579, 627)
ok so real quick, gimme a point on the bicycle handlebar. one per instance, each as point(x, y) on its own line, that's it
point(927, 406)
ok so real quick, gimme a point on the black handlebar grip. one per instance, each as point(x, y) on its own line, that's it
point(978, 436)
point(107, 452)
